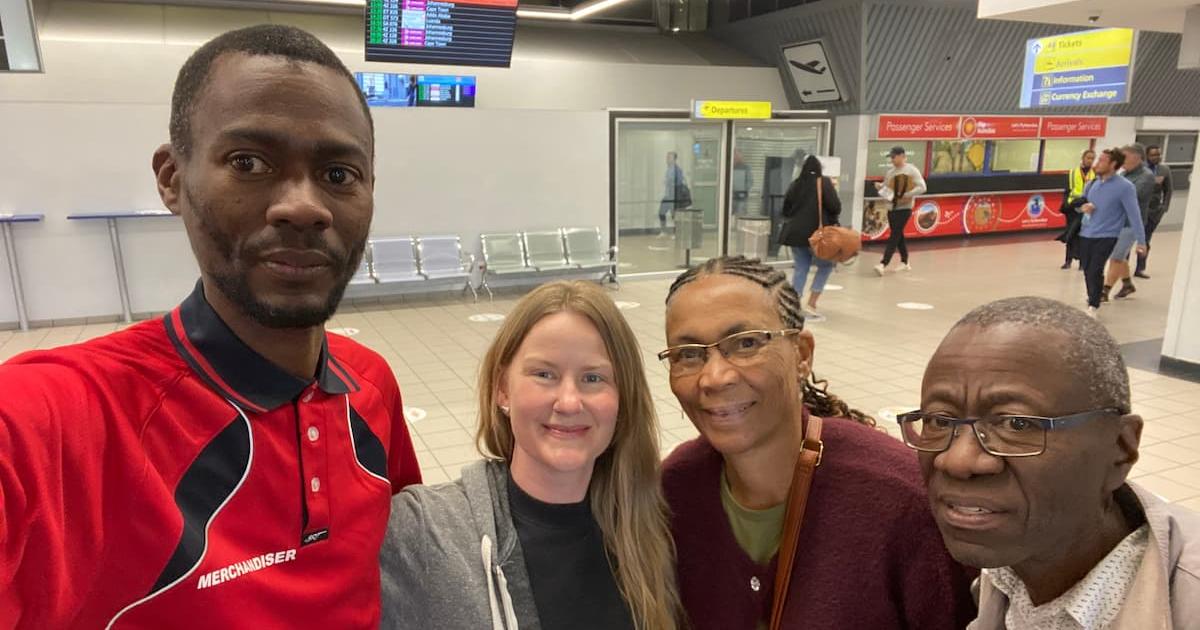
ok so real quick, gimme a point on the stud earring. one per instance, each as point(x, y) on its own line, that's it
point(504, 410)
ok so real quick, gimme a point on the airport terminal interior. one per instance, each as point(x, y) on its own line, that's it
point(620, 142)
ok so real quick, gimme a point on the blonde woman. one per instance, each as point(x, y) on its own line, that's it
point(564, 525)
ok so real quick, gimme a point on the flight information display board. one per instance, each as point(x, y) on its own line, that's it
point(387, 90)
point(445, 91)
point(383, 89)
point(462, 33)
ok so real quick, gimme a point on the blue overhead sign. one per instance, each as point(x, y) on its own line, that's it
point(1087, 68)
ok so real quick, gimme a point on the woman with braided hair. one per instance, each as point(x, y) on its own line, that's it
point(867, 553)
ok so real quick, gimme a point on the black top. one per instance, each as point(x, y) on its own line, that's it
point(573, 585)
point(800, 208)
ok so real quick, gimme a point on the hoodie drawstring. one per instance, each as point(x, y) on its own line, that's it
point(508, 619)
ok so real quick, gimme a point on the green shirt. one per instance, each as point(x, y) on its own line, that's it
point(757, 531)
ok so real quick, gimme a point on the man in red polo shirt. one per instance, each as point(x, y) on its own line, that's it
point(231, 464)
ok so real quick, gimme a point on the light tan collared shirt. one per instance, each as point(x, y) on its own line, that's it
point(1092, 604)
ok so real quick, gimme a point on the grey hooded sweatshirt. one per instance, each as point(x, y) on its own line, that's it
point(451, 558)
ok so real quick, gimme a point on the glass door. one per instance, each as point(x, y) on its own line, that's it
point(766, 158)
point(668, 193)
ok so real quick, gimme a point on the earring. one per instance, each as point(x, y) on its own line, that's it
point(504, 410)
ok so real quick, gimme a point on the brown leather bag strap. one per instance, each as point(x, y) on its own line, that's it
point(810, 458)
point(820, 204)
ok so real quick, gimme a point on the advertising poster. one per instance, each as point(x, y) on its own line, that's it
point(954, 215)
point(1001, 127)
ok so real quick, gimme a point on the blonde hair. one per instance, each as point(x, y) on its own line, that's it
point(625, 493)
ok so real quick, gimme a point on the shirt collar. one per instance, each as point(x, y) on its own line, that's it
point(237, 372)
point(1094, 601)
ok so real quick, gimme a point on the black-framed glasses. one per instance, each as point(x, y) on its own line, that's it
point(1003, 435)
point(741, 349)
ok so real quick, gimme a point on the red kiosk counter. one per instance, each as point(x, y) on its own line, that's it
point(983, 174)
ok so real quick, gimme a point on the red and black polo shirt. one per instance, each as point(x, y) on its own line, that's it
point(167, 476)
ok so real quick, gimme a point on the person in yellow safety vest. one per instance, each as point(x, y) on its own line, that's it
point(1077, 180)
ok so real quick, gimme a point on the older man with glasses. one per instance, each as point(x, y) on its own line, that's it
point(1026, 439)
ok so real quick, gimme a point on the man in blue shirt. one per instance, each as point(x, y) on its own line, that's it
point(1135, 171)
point(675, 193)
point(1111, 205)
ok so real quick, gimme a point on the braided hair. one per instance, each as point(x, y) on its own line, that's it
point(815, 391)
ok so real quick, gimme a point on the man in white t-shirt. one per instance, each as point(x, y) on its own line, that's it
point(902, 183)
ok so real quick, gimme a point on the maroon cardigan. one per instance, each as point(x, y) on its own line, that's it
point(870, 556)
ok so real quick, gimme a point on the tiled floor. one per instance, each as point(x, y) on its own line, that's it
point(872, 352)
point(641, 253)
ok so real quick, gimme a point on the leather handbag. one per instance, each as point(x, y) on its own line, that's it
point(832, 242)
point(806, 465)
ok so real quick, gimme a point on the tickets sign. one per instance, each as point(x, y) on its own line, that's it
point(968, 214)
point(1086, 68)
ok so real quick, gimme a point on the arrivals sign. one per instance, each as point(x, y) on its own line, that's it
point(731, 110)
point(1086, 68)
point(941, 127)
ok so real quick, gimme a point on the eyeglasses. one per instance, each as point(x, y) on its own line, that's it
point(1003, 436)
point(741, 349)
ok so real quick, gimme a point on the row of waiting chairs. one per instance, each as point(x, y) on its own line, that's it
point(406, 260)
point(563, 250)
point(426, 259)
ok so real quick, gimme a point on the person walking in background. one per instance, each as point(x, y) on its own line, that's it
point(800, 208)
point(1143, 182)
point(1111, 205)
point(675, 192)
point(901, 185)
point(1159, 203)
point(741, 183)
point(1077, 179)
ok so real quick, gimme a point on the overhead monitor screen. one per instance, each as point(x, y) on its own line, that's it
point(462, 33)
point(384, 89)
point(1086, 68)
point(18, 38)
point(445, 91)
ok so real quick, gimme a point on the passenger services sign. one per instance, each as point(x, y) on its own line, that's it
point(1087, 68)
point(954, 127)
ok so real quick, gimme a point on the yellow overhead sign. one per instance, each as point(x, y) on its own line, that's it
point(731, 110)
point(1104, 48)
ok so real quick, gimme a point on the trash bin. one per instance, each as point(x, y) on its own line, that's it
point(689, 233)
point(752, 236)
